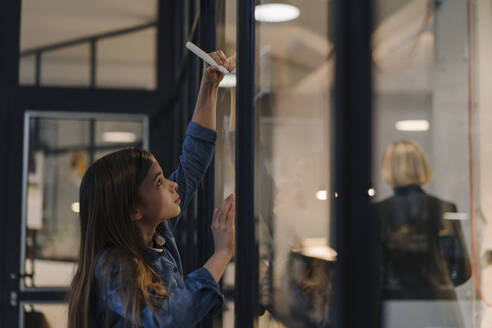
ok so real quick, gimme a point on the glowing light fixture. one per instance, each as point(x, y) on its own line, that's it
point(412, 125)
point(371, 192)
point(276, 12)
point(76, 207)
point(118, 136)
point(229, 81)
point(455, 216)
point(322, 194)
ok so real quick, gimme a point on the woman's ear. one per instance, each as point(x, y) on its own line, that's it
point(136, 215)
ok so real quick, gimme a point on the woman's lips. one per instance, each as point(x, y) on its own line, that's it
point(178, 201)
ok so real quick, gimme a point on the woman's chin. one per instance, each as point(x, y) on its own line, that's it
point(175, 214)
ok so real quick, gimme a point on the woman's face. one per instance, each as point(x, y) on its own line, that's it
point(159, 199)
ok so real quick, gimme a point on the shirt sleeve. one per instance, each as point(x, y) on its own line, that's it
point(197, 154)
point(186, 306)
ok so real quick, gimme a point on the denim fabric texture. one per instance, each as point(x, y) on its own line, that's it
point(192, 298)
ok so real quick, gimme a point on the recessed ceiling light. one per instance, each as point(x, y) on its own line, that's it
point(75, 207)
point(455, 216)
point(229, 81)
point(412, 125)
point(371, 192)
point(276, 12)
point(322, 194)
point(117, 136)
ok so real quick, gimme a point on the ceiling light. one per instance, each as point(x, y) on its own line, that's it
point(455, 216)
point(371, 192)
point(229, 81)
point(276, 12)
point(322, 194)
point(76, 207)
point(412, 125)
point(117, 136)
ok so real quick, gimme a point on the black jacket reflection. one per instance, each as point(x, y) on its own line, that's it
point(423, 253)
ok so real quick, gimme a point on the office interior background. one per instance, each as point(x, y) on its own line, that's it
point(81, 79)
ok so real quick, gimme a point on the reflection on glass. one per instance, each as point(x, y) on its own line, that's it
point(423, 253)
point(45, 315)
point(422, 55)
point(60, 150)
point(293, 79)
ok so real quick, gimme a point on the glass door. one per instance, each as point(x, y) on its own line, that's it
point(58, 148)
point(294, 67)
point(429, 162)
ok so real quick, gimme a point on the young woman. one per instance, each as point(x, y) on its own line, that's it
point(129, 270)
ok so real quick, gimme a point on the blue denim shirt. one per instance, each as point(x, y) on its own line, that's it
point(190, 299)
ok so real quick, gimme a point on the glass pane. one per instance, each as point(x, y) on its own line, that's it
point(422, 188)
point(45, 315)
point(292, 104)
point(124, 61)
point(59, 152)
point(66, 67)
point(27, 70)
point(225, 151)
point(128, 61)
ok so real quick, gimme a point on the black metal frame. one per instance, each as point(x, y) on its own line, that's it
point(9, 45)
point(246, 259)
point(355, 301)
point(205, 199)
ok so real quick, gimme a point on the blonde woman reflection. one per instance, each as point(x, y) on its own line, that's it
point(423, 252)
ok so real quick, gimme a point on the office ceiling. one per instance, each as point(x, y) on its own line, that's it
point(403, 60)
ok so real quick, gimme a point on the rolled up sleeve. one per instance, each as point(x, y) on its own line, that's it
point(197, 154)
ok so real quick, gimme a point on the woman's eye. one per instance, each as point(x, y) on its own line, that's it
point(159, 182)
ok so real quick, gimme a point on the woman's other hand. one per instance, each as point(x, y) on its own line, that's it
point(223, 226)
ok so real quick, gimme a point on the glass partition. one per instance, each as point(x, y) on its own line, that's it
point(128, 61)
point(59, 148)
point(425, 162)
point(294, 73)
point(57, 35)
point(66, 66)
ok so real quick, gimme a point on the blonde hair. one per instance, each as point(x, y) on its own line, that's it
point(404, 163)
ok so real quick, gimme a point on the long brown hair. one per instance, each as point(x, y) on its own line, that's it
point(108, 196)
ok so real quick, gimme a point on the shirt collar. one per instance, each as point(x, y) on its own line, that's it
point(158, 241)
point(405, 190)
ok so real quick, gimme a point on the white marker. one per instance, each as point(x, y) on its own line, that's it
point(203, 55)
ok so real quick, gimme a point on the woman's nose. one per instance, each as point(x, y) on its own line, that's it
point(174, 186)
